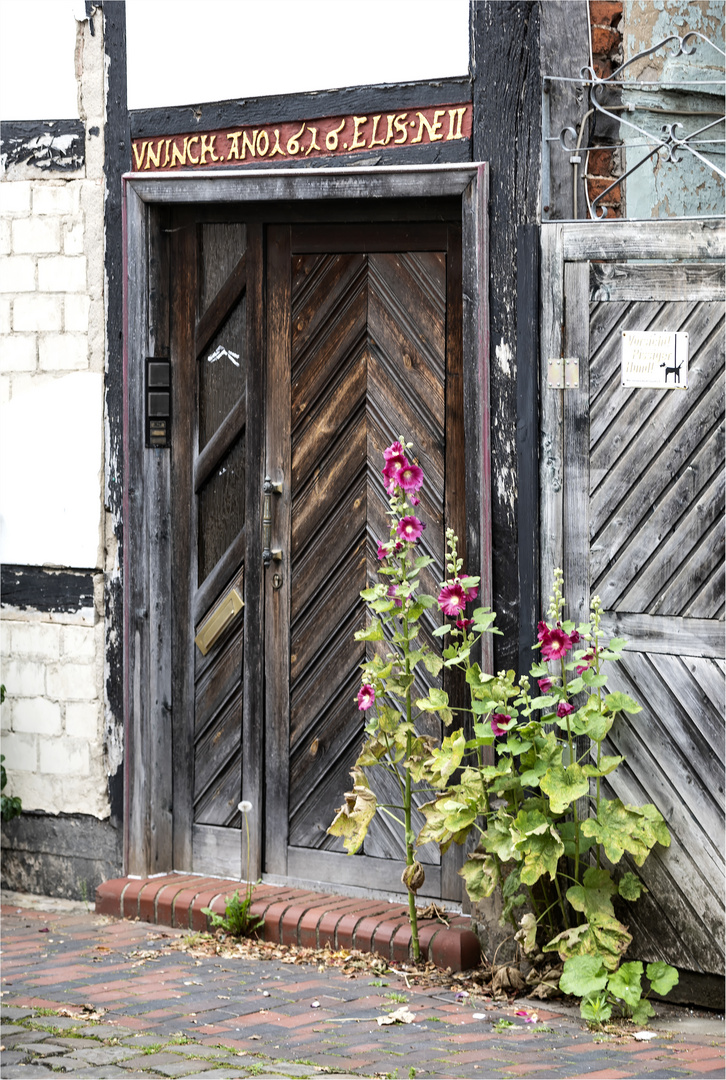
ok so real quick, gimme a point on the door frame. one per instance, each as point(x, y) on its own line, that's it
point(151, 843)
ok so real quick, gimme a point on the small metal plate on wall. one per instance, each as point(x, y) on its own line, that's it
point(563, 373)
point(222, 614)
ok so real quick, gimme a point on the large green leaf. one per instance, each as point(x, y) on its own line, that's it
point(498, 838)
point(662, 977)
point(446, 761)
point(642, 1012)
point(563, 786)
point(608, 764)
point(620, 828)
point(433, 663)
point(374, 632)
point(389, 719)
point(593, 895)
point(438, 702)
point(480, 875)
point(583, 975)
point(622, 703)
point(625, 983)
point(476, 678)
point(602, 936)
point(545, 754)
point(539, 846)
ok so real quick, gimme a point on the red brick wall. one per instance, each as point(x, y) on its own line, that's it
point(607, 50)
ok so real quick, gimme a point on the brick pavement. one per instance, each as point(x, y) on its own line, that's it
point(171, 1015)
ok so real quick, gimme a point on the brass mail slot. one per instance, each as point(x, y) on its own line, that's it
point(218, 620)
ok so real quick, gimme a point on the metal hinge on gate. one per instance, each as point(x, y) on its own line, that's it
point(563, 373)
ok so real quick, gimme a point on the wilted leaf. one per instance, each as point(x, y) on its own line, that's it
point(355, 815)
point(527, 933)
point(507, 980)
point(620, 828)
point(400, 1016)
point(563, 786)
point(480, 875)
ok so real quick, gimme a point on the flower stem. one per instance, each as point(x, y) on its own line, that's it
point(415, 948)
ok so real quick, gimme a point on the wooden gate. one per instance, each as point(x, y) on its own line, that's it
point(632, 498)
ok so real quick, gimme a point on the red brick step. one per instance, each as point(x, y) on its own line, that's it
point(293, 917)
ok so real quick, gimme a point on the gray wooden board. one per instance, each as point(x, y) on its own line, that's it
point(328, 868)
point(629, 281)
point(666, 634)
point(695, 239)
point(217, 851)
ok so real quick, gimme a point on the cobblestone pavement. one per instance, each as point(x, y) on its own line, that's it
point(168, 1014)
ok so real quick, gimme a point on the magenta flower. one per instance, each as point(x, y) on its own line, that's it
point(586, 661)
point(409, 477)
point(542, 629)
point(392, 594)
point(452, 599)
point(414, 500)
point(496, 720)
point(394, 450)
point(410, 528)
point(564, 709)
point(382, 553)
point(464, 624)
point(545, 684)
point(471, 594)
point(574, 637)
point(555, 643)
point(366, 697)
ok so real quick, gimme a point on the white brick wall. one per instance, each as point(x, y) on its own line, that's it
point(52, 326)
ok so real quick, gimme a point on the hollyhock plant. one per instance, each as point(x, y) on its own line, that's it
point(545, 684)
point(564, 708)
point(499, 723)
point(409, 477)
point(410, 528)
point(452, 599)
point(555, 643)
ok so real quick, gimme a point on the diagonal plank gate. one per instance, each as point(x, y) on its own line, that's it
point(632, 498)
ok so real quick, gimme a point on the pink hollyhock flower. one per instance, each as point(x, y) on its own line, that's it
point(542, 629)
point(366, 697)
point(414, 500)
point(555, 643)
point(394, 450)
point(574, 637)
point(410, 528)
point(392, 594)
point(382, 553)
point(409, 477)
point(564, 709)
point(545, 684)
point(496, 720)
point(464, 624)
point(452, 599)
point(471, 594)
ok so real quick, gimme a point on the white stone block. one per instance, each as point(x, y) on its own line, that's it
point(38, 640)
point(64, 755)
point(79, 642)
point(36, 235)
point(76, 313)
point(73, 682)
point(15, 197)
point(73, 238)
point(37, 715)
point(18, 352)
point(37, 313)
point(55, 198)
point(5, 244)
point(5, 325)
point(17, 274)
point(82, 720)
point(63, 352)
point(64, 273)
point(21, 752)
point(4, 389)
point(24, 678)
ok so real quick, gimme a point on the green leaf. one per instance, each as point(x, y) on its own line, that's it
point(622, 703)
point(596, 1009)
point(539, 671)
point(527, 933)
point(547, 754)
point(617, 643)
point(625, 983)
point(375, 593)
point(421, 561)
point(642, 1012)
point(593, 895)
point(563, 786)
point(662, 977)
point(539, 845)
point(476, 678)
point(591, 678)
point(620, 828)
point(480, 875)
point(499, 839)
point(602, 936)
point(630, 887)
point(379, 606)
point(446, 761)
point(441, 630)
point(608, 764)
point(574, 686)
point(583, 976)
point(545, 701)
point(389, 719)
point(433, 663)
point(437, 701)
point(374, 632)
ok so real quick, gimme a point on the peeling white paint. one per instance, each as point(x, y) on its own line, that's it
point(504, 357)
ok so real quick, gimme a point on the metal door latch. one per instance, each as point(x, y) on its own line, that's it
point(563, 373)
point(269, 489)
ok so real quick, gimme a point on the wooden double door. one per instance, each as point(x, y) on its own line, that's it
point(298, 353)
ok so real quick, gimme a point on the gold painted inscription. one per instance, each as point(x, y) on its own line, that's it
point(324, 137)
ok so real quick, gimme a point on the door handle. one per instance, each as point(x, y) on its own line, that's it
point(268, 554)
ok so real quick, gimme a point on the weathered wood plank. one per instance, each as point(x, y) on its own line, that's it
point(277, 601)
point(666, 634)
point(576, 446)
point(631, 281)
point(220, 306)
point(220, 442)
point(217, 851)
point(330, 867)
point(617, 240)
point(702, 717)
point(551, 409)
point(395, 236)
